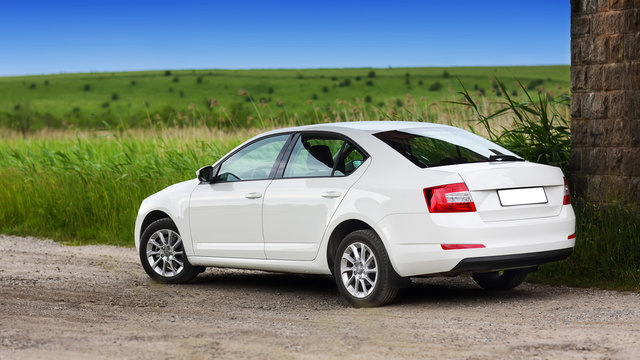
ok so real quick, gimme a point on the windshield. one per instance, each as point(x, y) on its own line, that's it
point(438, 146)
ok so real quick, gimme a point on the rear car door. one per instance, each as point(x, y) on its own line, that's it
point(299, 204)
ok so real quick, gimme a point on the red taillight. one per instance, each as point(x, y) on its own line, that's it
point(566, 200)
point(572, 236)
point(449, 198)
point(461, 246)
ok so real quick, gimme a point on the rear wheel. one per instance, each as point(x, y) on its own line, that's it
point(162, 254)
point(500, 280)
point(363, 271)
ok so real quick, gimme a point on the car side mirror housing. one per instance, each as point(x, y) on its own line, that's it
point(206, 174)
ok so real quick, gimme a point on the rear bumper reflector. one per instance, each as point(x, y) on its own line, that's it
point(461, 246)
point(572, 236)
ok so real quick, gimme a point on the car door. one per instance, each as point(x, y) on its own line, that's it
point(226, 215)
point(299, 204)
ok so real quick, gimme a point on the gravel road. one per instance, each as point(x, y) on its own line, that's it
point(59, 302)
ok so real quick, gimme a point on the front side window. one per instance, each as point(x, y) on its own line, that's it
point(429, 147)
point(322, 155)
point(253, 162)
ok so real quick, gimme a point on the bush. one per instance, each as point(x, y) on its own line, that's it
point(325, 89)
point(105, 105)
point(534, 83)
point(46, 83)
point(176, 79)
point(167, 73)
point(445, 74)
point(114, 96)
point(133, 83)
point(420, 82)
point(86, 87)
point(32, 86)
point(358, 78)
point(367, 99)
point(435, 86)
point(345, 82)
point(181, 93)
point(371, 74)
point(314, 96)
point(270, 90)
point(369, 83)
point(199, 80)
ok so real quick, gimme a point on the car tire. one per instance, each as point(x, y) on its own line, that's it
point(162, 254)
point(500, 280)
point(363, 272)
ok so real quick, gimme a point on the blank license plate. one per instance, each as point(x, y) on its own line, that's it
point(526, 196)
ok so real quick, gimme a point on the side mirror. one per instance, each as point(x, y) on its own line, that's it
point(205, 174)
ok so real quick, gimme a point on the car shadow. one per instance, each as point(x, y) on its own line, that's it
point(459, 290)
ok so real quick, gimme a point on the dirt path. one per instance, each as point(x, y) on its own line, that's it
point(59, 302)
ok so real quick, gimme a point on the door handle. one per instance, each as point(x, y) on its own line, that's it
point(331, 194)
point(253, 195)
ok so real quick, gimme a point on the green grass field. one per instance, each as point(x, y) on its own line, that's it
point(62, 177)
point(246, 98)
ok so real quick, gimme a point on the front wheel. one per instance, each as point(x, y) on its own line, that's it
point(500, 280)
point(162, 254)
point(363, 271)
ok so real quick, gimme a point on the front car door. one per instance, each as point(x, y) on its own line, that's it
point(299, 205)
point(226, 215)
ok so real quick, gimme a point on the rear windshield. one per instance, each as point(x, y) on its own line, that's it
point(429, 147)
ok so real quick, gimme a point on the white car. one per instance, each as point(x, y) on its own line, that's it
point(371, 203)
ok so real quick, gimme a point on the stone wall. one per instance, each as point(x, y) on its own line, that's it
point(605, 102)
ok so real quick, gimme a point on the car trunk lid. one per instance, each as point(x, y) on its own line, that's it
point(512, 190)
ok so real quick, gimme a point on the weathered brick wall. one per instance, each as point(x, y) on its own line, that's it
point(605, 102)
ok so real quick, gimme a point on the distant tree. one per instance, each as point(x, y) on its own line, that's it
point(300, 76)
point(358, 78)
point(333, 78)
point(345, 82)
point(407, 81)
point(199, 80)
point(46, 83)
point(367, 99)
point(86, 87)
point(369, 83)
point(314, 97)
point(435, 86)
point(445, 74)
point(167, 73)
point(325, 89)
point(176, 79)
point(371, 74)
point(32, 86)
point(270, 90)
point(105, 104)
point(181, 93)
point(114, 96)
point(420, 82)
point(133, 83)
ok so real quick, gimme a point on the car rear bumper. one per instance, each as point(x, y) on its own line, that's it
point(503, 262)
point(413, 242)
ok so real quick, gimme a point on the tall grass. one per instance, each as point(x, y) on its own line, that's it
point(607, 251)
point(87, 188)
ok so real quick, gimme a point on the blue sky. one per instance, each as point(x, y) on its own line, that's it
point(38, 37)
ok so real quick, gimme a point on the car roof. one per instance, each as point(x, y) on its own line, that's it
point(363, 126)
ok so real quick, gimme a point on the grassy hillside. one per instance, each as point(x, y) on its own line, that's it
point(235, 98)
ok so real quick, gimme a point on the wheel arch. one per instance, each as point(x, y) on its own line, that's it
point(339, 232)
point(151, 217)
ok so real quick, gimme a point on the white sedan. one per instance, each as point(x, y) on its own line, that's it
point(371, 203)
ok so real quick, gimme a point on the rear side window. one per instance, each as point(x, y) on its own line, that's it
point(429, 147)
point(322, 155)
